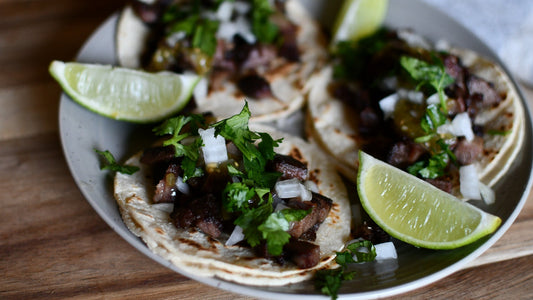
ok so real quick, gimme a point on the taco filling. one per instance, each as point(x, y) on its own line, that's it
point(224, 185)
point(263, 50)
point(431, 111)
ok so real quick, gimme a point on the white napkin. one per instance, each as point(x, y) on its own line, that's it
point(505, 26)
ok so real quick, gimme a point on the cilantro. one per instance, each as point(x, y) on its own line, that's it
point(436, 165)
point(433, 74)
point(433, 118)
point(364, 250)
point(190, 151)
point(255, 157)
point(189, 20)
point(264, 30)
point(352, 57)
point(274, 231)
point(250, 220)
point(329, 281)
point(111, 164)
point(237, 196)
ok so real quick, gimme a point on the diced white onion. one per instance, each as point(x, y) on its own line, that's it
point(469, 182)
point(241, 26)
point(200, 90)
point(311, 185)
point(487, 194)
point(442, 45)
point(305, 193)
point(415, 96)
point(166, 207)
point(292, 188)
point(385, 251)
point(182, 186)
point(433, 99)
point(175, 37)
point(388, 104)
point(236, 236)
point(214, 148)
point(461, 125)
point(225, 10)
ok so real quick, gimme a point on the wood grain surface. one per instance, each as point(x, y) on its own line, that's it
point(54, 245)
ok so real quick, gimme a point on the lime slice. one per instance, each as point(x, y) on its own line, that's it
point(124, 94)
point(358, 18)
point(415, 211)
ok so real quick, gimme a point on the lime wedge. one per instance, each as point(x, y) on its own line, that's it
point(415, 211)
point(358, 18)
point(124, 94)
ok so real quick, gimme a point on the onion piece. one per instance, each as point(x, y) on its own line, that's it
point(487, 194)
point(461, 125)
point(388, 104)
point(224, 11)
point(182, 186)
point(469, 182)
point(385, 251)
point(236, 236)
point(292, 188)
point(214, 148)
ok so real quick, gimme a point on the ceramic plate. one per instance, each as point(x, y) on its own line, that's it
point(82, 131)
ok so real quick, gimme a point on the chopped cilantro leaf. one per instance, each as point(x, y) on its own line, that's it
point(190, 151)
point(329, 281)
point(274, 231)
point(344, 258)
point(264, 30)
point(111, 164)
point(237, 196)
point(364, 250)
point(250, 220)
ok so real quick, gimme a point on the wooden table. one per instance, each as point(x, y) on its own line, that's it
point(54, 245)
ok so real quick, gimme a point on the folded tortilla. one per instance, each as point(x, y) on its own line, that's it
point(195, 252)
point(287, 79)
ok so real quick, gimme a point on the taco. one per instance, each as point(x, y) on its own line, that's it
point(244, 49)
point(236, 210)
point(428, 110)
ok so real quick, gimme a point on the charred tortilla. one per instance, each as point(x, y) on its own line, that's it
point(337, 126)
point(195, 252)
point(283, 78)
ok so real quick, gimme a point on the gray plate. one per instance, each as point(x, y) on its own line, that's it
point(82, 131)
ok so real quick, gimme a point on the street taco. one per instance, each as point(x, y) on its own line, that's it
point(245, 49)
point(427, 109)
point(189, 216)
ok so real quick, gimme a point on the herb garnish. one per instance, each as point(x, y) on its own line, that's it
point(264, 30)
point(111, 164)
point(329, 281)
point(251, 196)
point(189, 152)
point(435, 76)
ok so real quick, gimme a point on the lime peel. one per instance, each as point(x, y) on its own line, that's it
point(358, 18)
point(415, 211)
point(124, 94)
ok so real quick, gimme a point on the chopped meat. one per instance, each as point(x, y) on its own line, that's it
point(320, 205)
point(166, 190)
point(254, 86)
point(289, 167)
point(303, 254)
point(158, 154)
point(443, 184)
point(372, 232)
point(203, 213)
point(468, 152)
point(404, 154)
point(485, 91)
point(258, 56)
